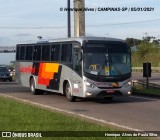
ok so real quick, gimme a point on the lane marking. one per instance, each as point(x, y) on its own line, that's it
point(151, 99)
point(73, 113)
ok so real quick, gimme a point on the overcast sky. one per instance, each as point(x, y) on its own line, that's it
point(16, 15)
point(24, 20)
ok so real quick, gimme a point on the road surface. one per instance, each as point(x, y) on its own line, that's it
point(132, 113)
point(155, 77)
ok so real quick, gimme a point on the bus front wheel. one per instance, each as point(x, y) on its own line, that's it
point(68, 93)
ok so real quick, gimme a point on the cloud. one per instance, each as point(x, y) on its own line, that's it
point(4, 40)
point(22, 35)
point(107, 3)
point(46, 13)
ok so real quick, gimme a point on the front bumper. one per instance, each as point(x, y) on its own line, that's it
point(5, 77)
point(107, 92)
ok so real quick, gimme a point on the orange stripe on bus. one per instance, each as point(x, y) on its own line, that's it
point(46, 72)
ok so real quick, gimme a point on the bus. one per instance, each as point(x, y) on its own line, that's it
point(81, 67)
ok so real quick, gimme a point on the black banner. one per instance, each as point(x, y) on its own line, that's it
point(38, 134)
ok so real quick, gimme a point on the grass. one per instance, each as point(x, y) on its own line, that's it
point(141, 89)
point(18, 116)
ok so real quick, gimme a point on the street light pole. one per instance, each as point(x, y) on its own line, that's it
point(69, 19)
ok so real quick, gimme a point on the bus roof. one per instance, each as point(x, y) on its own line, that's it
point(76, 39)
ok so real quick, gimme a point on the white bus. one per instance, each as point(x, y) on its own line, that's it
point(83, 67)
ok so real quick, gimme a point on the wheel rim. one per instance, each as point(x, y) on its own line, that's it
point(68, 91)
point(32, 86)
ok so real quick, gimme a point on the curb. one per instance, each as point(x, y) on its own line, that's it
point(13, 82)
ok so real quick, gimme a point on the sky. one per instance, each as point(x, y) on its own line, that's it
point(24, 20)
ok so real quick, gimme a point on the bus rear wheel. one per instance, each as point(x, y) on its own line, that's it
point(33, 87)
point(68, 93)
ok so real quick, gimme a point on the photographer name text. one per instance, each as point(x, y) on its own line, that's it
point(109, 9)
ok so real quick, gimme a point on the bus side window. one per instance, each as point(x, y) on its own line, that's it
point(55, 51)
point(29, 52)
point(22, 53)
point(18, 53)
point(37, 53)
point(46, 53)
point(66, 53)
point(77, 61)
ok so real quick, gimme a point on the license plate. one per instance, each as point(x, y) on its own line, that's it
point(110, 91)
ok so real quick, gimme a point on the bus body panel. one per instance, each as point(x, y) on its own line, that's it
point(107, 89)
point(52, 75)
point(23, 72)
point(43, 80)
point(74, 79)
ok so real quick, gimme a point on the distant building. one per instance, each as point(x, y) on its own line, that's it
point(7, 49)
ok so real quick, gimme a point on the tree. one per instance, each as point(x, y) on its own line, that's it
point(152, 39)
point(147, 49)
point(132, 41)
point(143, 49)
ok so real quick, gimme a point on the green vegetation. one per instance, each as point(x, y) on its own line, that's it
point(141, 89)
point(12, 64)
point(148, 50)
point(18, 116)
point(24, 117)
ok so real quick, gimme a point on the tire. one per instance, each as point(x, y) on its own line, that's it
point(33, 89)
point(10, 79)
point(68, 93)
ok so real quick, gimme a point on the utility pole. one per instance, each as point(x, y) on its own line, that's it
point(79, 18)
point(69, 19)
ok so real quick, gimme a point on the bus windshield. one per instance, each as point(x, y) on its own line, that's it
point(107, 59)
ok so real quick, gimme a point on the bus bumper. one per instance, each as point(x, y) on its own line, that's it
point(107, 92)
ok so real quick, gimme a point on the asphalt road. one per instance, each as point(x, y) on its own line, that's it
point(132, 113)
point(155, 77)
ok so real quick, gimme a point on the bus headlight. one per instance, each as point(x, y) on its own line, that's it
point(127, 84)
point(89, 84)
